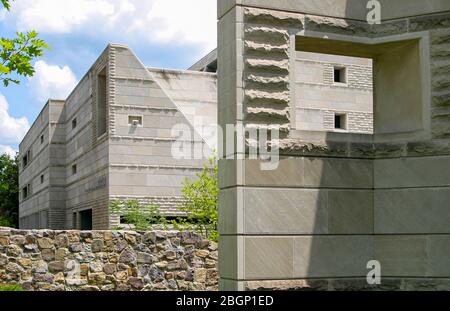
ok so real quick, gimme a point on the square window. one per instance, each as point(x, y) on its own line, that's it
point(74, 123)
point(135, 120)
point(340, 121)
point(340, 75)
point(74, 169)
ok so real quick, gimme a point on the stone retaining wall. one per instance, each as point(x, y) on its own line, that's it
point(107, 260)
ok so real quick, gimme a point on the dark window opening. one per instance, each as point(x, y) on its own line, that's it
point(101, 103)
point(42, 139)
point(25, 160)
point(86, 220)
point(74, 169)
point(340, 121)
point(74, 123)
point(25, 193)
point(42, 179)
point(339, 75)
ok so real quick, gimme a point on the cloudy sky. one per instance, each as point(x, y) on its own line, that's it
point(163, 33)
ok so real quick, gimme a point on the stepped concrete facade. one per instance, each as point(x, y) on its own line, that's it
point(337, 200)
point(112, 139)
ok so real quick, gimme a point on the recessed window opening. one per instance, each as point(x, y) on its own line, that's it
point(25, 160)
point(389, 75)
point(340, 121)
point(74, 123)
point(74, 169)
point(25, 192)
point(340, 75)
point(101, 103)
point(135, 120)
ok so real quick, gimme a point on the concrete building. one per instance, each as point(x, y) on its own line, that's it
point(339, 203)
point(112, 139)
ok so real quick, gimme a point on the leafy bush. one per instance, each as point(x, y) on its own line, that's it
point(142, 217)
point(9, 191)
point(200, 204)
point(10, 288)
point(201, 201)
point(5, 222)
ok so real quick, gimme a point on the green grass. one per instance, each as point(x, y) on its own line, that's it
point(10, 288)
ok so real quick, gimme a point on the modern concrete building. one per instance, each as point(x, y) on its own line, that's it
point(337, 201)
point(112, 139)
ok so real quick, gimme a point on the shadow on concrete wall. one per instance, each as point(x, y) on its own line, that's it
point(340, 253)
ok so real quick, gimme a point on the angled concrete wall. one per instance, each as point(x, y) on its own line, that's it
point(84, 167)
point(336, 200)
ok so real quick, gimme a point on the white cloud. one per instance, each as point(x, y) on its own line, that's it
point(160, 21)
point(191, 21)
point(55, 16)
point(8, 150)
point(12, 130)
point(52, 81)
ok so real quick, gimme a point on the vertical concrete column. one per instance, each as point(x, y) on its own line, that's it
point(230, 114)
point(335, 201)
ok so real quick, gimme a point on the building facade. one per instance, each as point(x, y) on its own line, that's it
point(341, 207)
point(113, 139)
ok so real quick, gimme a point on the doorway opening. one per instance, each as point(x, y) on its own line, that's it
point(86, 220)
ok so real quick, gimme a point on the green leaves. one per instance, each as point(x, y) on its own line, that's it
point(200, 204)
point(6, 4)
point(17, 54)
point(201, 200)
point(142, 217)
point(9, 191)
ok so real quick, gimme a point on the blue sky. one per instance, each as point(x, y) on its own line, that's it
point(163, 33)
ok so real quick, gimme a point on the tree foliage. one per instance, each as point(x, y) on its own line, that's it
point(201, 200)
point(17, 54)
point(6, 4)
point(9, 191)
point(140, 216)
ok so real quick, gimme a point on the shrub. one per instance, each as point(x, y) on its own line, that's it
point(5, 222)
point(141, 216)
point(201, 200)
point(10, 288)
point(9, 191)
